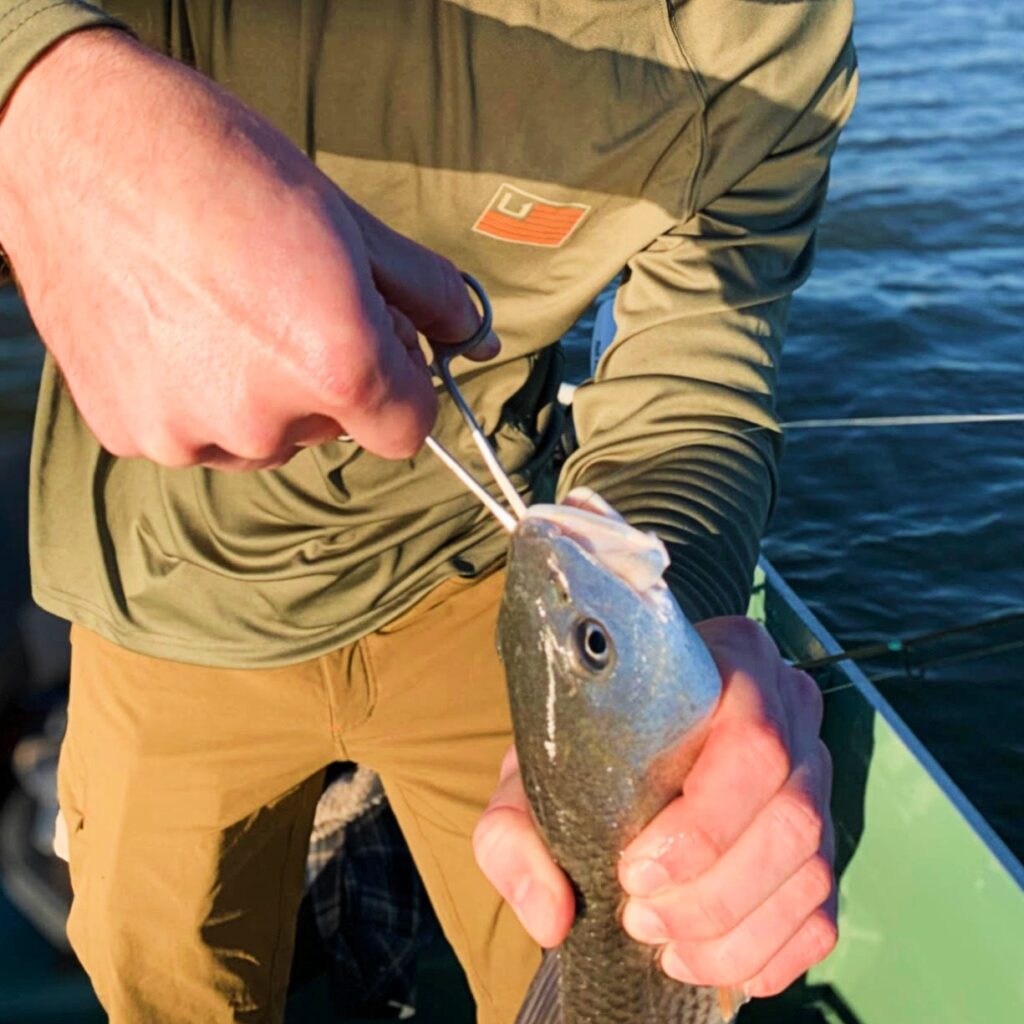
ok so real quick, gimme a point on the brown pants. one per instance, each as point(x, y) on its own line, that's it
point(189, 795)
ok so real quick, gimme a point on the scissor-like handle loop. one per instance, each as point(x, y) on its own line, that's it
point(445, 353)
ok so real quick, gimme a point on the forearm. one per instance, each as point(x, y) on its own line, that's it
point(708, 499)
point(28, 29)
point(49, 136)
point(689, 457)
point(679, 428)
point(127, 159)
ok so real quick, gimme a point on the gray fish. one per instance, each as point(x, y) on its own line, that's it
point(611, 691)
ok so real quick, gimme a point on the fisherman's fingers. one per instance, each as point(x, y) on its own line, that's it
point(812, 943)
point(426, 287)
point(743, 765)
point(514, 859)
point(788, 836)
point(750, 752)
point(772, 947)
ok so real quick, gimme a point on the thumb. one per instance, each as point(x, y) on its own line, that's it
point(426, 287)
point(513, 857)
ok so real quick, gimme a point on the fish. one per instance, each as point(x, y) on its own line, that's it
point(611, 692)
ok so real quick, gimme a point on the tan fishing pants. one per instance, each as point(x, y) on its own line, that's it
point(189, 795)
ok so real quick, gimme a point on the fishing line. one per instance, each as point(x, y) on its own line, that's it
point(939, 419)
point(567, 390)
point(826, 690)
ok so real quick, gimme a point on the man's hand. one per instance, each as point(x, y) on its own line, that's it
point(209, 295)
point(733, 879)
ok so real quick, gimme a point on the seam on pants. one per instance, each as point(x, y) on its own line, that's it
point(332, 719)
point(372, 678)
point(452, 902)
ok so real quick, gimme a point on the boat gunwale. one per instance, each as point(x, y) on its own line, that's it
point(996, 846)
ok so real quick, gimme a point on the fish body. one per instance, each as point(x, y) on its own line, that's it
point(611, 690)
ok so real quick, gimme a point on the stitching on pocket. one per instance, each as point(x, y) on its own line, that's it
point(372, 682)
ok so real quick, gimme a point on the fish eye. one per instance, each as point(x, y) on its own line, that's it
point(593, 645)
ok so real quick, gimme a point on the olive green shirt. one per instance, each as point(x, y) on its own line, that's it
point(544, 148)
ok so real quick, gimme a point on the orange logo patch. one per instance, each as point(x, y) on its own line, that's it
point(517, 216)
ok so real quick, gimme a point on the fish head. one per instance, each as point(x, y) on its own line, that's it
point(606, 675)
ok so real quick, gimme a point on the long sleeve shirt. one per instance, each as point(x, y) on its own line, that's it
point(544, 148)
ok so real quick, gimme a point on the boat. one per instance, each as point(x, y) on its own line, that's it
point(931, 907)
point(931, 900)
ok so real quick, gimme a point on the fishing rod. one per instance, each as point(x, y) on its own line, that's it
point(903, 645)
point(950, 659)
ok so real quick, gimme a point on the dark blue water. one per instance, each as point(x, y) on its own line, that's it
point(916, 306)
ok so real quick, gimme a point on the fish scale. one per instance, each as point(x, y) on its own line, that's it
point(604, 739)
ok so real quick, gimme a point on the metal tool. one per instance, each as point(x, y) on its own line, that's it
point(443, 355)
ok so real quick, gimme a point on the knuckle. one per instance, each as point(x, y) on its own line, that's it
point(350, 386)
point(451, 287)
point(161, 446)
point(452, 316)
point(808, 693)
point(800, 825)
point(825, 761)
point(702, 845)
point(821, 935)
point(721, 962)
point(450, 281)
point(764, 742)
point(816, 881)
point(348, 375)
point(254, 440)
point(715, 915)
point(493, 828)
point(727, 966)
point(737, 630)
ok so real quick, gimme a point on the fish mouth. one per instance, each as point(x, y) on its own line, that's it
point(639, 559)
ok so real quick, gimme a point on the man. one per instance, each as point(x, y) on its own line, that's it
point(214, 302)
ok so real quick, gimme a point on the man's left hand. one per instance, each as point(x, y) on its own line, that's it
point(733, 879)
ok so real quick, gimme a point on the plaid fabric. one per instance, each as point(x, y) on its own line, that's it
point(371, 910)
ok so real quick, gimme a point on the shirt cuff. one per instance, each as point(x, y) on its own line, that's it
point(30, 27)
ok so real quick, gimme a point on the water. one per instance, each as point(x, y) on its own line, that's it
point(916, 306)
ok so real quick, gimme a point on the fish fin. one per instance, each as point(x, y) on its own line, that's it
point(541, 1005)
point(730, 1002)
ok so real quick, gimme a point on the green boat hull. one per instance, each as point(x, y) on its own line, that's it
point(931, 901)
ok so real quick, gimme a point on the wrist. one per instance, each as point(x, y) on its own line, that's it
point(37, 122)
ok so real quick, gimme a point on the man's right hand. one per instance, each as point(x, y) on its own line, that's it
point(210, 296)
